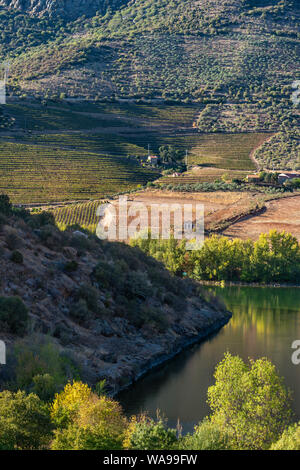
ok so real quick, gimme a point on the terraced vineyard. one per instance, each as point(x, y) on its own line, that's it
point(36, 173)
point(230, 151)
point(55, 171)
point(83, 214)
point(113, 144)
point(76, 152)
point(87, 151)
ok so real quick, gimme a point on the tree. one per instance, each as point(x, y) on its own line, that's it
point(275, 257)
point(5, 204)
point(290, 439)
point(24, 421)
point(66, 405)
point(40, 367)
point(206, 436)
point(250, 402)
point(90, 422)
point(169, 154)
point(13, 315)
point(146, 434)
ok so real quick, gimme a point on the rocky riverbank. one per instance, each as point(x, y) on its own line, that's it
point(168, 352)
point(112, 310)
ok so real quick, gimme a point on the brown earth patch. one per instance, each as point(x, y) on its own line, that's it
point(281, 214)
point(219, 206)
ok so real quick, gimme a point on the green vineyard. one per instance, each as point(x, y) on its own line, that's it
point(83, 214)
point(36, 173)
point(88, 151)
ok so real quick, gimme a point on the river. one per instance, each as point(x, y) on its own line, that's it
point(265, 323)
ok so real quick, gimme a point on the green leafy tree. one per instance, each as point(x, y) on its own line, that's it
point(26, 421)
point(169, 154)
point(290, 439)
point(91, 422)
point(13, 315)
point(40, 367)
point(206, 436)
point(146, 434)
point(5, 204)
point(249, 402)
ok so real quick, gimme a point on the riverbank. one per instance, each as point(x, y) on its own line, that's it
point(112, 311)
point(265, 323)
point(246, 284)
point(195, 333)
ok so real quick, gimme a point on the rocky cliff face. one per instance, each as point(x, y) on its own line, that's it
point(69, 9)
point(116, 310)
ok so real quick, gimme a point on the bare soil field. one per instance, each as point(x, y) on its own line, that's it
point(219, 206)
point(281, 214)
point(234, 214)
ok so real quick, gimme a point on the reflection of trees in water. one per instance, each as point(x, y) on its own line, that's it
point(262, 308)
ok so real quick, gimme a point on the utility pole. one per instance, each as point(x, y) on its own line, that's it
point(148, 150)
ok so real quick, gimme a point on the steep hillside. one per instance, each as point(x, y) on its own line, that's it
point(115, 311)
point(235, 60)
point(69, 9)
point(234, 57)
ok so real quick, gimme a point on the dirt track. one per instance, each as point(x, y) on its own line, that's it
point(282, 214)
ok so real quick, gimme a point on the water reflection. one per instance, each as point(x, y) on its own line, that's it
point(265, 322)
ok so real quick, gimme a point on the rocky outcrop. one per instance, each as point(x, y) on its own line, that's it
point(69, 9)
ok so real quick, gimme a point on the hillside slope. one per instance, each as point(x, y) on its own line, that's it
point(69, 9)
point(237, 59)
point(114, 310)
point(234, 61)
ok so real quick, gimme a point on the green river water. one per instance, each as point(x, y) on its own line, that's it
point(265, 323)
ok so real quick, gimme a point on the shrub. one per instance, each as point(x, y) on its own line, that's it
point(108, 274)
point(153, 316)
point(12, 240)
point(41, 220)
point(71, 266)
point(90, 295)
point(80, 312)
point(38, 366)
point(44, 386)
point(207, 436)
point(3, 220)
point(137, 285)
point(51, 237)
point(146, 434)
point(7, 430)
point(13, 315)
point(290, 439)
point(17, 257)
